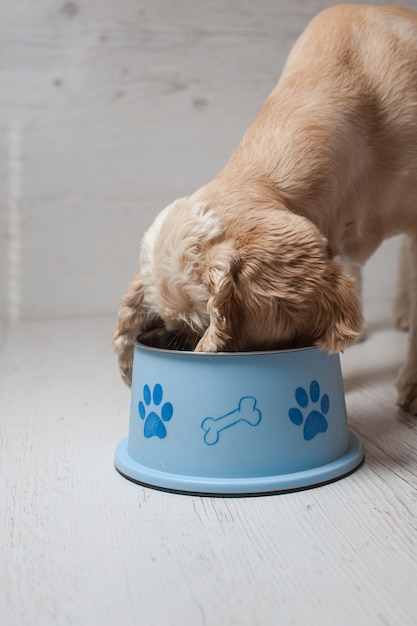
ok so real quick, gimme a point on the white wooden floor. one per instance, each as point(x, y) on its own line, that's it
point(81, 545)
point(109, 109)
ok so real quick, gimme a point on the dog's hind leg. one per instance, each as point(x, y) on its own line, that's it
point(407, 380)
point(402, 300)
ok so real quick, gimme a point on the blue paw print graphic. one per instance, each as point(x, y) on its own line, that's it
point(154, 419)
point(315, 422)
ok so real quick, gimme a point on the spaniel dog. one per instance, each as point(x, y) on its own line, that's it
point(268, 254)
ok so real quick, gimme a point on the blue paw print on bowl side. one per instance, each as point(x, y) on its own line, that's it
point(315, 422)
point(154, 418)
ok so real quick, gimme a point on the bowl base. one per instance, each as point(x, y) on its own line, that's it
point(238, 487)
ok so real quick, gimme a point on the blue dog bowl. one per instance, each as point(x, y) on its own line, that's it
point(237, 423)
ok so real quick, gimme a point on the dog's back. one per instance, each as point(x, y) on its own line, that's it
point(329, 167)
point(338, 134)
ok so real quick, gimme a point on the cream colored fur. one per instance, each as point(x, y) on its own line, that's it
point(327, 171)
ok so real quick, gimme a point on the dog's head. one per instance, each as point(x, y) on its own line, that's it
point(256, 281)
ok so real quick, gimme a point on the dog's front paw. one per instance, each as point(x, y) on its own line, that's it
point(407, 390)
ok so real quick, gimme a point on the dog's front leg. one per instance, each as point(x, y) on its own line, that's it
point(353, 269)
point(407, 380)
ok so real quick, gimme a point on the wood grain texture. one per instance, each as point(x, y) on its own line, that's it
point(82, 545)
point(121, 107)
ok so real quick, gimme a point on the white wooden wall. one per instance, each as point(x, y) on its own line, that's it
point(109, 109)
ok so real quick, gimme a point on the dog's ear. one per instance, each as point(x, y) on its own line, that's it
point(220, 279)
point(132, 319)
point(339, 311)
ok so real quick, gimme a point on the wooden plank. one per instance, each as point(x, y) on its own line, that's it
point(82, 545)
point(121, 108)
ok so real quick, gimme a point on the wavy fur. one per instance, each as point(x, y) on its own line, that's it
point(327, 171)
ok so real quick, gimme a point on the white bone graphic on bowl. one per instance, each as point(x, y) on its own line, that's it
point(246, 412)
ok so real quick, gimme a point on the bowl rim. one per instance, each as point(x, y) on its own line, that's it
point(138, 344)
